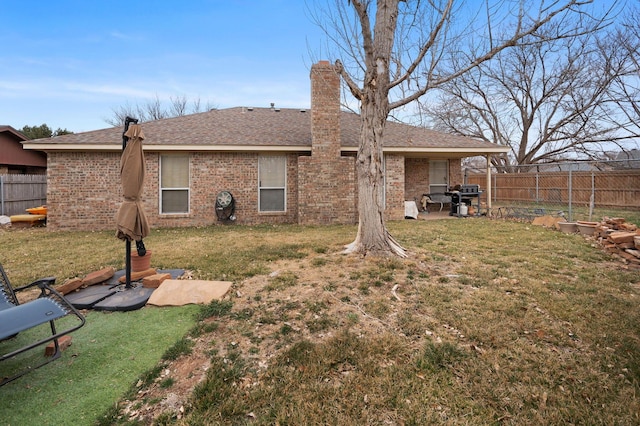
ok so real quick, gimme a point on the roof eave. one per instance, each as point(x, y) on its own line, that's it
point(18, 134)
point(457, 151)
point(497, 149)
point(440, 150)
point(156, 148)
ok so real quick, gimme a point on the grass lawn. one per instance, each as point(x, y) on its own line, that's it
point(106, 356)
point(487, 322)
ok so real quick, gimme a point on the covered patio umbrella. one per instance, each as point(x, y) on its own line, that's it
point(131, 221)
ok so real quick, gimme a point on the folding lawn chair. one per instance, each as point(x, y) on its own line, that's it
point(16, 318)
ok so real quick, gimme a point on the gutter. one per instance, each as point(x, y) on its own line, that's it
point(258, 148)
point(157, 148)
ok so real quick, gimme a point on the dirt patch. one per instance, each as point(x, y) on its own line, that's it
point(308, 299)
point(315, 297)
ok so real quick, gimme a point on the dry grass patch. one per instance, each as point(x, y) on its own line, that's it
point(478, 331)
point(486, 322)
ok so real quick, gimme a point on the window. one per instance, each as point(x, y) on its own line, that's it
point(438, 176)
point(272, 182)
point(174, 184)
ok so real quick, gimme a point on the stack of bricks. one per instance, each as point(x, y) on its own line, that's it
point(621, 239)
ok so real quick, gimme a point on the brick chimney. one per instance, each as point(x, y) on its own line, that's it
point(326, 181)
point(325, 110)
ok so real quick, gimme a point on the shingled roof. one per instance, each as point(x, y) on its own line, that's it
point(260, 129)
point(12, 152)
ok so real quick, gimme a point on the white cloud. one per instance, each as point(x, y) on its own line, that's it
point(111, 90)
point(119, 35)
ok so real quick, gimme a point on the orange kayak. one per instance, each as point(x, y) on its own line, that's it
point(38, 210)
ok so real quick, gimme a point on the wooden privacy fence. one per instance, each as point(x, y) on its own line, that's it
point(20, 192)
point(613, 188)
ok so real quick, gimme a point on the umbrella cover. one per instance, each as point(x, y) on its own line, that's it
point(131, 220)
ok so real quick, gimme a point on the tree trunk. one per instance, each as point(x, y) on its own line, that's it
point(373, 238)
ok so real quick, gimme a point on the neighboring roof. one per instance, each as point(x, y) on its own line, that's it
point(12, 152)
point(628, 159)
point(633, 154)
point(18, 135)
point(260, 129)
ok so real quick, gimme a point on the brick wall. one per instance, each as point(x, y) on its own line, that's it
point(237, 173)
point(395, 197)
point(84, 190)
point(416, 178)
point(455, 172)
point(327, 190)
point(325, 111)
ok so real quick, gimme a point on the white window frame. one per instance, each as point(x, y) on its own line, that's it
point(284, 187)
point(162, 190)
point(438, 188)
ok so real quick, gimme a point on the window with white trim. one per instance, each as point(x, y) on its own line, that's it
point(272, 183)
point(174, 184)
point(438, 176)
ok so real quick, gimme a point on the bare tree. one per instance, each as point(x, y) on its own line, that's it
point(627, 87)
point(547, 99)
point(122, 112)
point(392, 52)
point(155, 110)
point(178, 106)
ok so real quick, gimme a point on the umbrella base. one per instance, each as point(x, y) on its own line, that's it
point(125, 299)
point(87, 297)
point(114, 296)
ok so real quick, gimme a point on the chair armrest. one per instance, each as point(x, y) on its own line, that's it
point(42, 283)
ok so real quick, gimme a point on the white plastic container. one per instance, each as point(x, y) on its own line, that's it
point(463, 209)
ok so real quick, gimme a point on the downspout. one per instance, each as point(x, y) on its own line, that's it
point(488, 182)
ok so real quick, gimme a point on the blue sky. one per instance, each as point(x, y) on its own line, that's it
point(70, 63)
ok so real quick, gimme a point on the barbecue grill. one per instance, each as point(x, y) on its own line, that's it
point(464, 195)
point(470, 190)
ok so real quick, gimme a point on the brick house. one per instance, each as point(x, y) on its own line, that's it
point(281, 165)
point(16, 160)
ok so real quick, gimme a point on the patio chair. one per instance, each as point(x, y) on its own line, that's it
point(428, 199)
point(16, 317)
